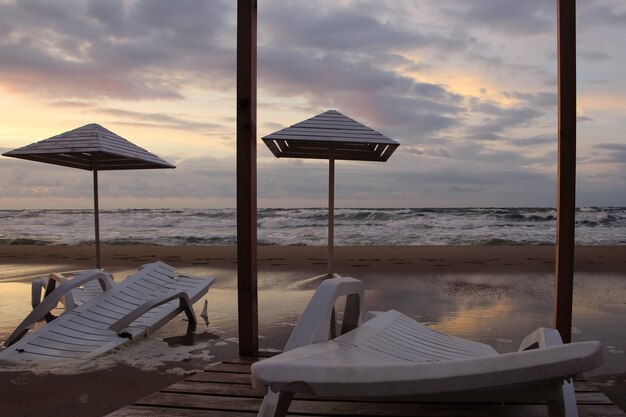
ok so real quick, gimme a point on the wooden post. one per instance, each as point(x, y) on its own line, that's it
point(331, 215)
point(96, 210)
point(566, 191)
point(247, 296)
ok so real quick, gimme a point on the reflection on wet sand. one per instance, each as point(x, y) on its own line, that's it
point(497, 309)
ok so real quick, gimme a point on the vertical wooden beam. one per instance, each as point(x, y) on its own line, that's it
point(247, 296)
point(566, 191)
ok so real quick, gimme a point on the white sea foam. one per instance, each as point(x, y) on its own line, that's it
point(147, 354)
point(308, 226)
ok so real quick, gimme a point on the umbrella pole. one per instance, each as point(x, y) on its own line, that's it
point(331, 215)
point(95, 215)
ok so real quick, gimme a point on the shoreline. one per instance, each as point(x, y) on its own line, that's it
point(24, 262)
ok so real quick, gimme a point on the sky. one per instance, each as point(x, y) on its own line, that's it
point(468, 88)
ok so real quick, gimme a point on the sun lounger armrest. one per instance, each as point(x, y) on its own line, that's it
point(314, 324)
point(49, 283)
point(185, 305)
point(545, 337)
point(49, 302)
point(541, 338)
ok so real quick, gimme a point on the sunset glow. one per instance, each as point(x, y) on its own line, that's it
point(468, 89)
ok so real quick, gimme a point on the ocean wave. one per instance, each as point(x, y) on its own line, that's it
point(24, 241)
point(308, 226)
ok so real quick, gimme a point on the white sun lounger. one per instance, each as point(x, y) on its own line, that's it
point(92, 283)
point(140, 304)
point(392, 355)
point(47, 292)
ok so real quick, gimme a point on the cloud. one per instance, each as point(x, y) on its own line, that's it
point(599, 13)
point(117, 49)
point(612, 153)
point(357, 86)
point(346, 29)
point(430, 152)
point(497, 118)
point(593, 55)
point(551, 140)
point(159, 120)
point(540, 99)
point(527, 18)
point(457, 189)
point(468, 88)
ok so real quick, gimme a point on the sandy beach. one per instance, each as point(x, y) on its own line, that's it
point(22, 262)
point(456, 288)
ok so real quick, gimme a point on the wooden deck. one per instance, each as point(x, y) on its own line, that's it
point(224, 391)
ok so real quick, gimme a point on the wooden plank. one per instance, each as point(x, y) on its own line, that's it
point(592, 398)
point(205, 402)
point(328, 132)
point(220, 377)
point(225, 390)
point(221, 388)
point(585, 386)
point(338, 156)
point(214, 388)
point(73, 163)
point(337, 136)
point(433, 410)
point(251, 359)
point(147, 411)
point(345, 408)
point(315, 124)
point(76, 146)
point(314, 150)
point(237, 368)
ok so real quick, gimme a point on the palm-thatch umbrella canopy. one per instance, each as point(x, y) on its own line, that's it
point(332, 136)
point(91, 148)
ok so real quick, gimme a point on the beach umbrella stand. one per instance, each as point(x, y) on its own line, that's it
point(91, 148)
point(332, 136)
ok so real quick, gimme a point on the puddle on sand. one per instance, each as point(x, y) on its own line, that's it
point(496, 309)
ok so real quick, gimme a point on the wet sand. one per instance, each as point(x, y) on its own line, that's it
point(22, 262)
point(464, 290)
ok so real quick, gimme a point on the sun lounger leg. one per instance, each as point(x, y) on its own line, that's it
point(566, 406)
point(185, 306)
point(275, 404)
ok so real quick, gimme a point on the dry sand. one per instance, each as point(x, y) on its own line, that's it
point(97, 393)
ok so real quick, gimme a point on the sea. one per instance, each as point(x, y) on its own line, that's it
point(309, 226)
